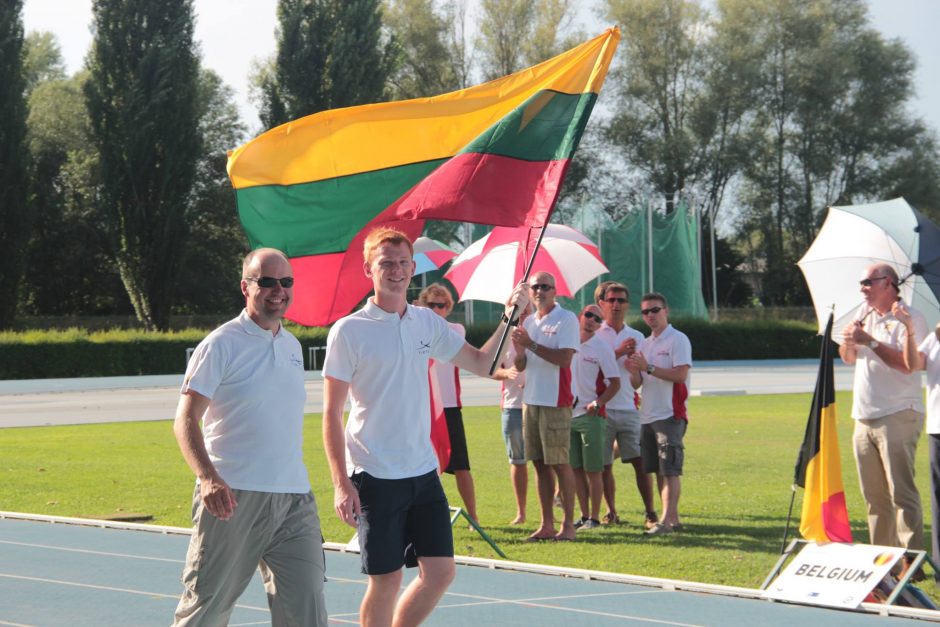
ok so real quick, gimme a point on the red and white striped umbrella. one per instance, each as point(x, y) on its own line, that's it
point(490, 267)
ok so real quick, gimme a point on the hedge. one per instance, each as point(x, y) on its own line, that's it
point(751, 339)
point(80, 353)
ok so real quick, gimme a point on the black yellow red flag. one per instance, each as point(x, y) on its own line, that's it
point(819, 468)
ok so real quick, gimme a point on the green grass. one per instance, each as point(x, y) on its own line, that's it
point(740, 453)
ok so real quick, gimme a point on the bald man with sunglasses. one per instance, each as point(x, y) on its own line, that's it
point(888, 408)
point(545, 345)
point(239, 425)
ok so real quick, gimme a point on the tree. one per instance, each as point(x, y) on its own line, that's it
point(217, 241)
point(515, 34)
point(419, 38)
point(329, 55)
point(14, 212)
point(829, 127)
point(43, 61)
point(142, 98)
point(66, 227)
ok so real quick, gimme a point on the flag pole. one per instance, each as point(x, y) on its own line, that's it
point(512, 314)
point(786, 530)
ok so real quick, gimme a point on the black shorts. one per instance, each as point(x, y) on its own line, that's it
point(402, 520)
point(459, 458)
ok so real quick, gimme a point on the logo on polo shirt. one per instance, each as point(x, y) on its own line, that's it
point(424, 347)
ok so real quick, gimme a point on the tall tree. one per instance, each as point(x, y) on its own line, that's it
point(330, 54)
point(419, 38)
point(142, 97)
point(14, 213)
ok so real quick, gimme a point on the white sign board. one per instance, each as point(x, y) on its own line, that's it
point(833, 574)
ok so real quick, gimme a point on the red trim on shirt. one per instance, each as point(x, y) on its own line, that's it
point(565, 397)
point(679, 394)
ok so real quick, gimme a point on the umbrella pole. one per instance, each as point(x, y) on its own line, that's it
point(512, 314)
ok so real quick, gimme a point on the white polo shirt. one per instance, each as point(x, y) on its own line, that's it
point(626, 398)
point(511, 389)
point(878, 389)
point(665, 399)
point(253, 427)
point(549, 385)
point(930, 347)
point(592, 367)
point(384, 358)
point(448, 375)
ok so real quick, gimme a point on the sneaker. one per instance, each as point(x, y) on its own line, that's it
point(659, 529)
point(580, 523)
point(651, 519)
point(590, 523)
point(610, 518)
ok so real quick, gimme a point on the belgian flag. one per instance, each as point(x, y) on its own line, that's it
point(818, 467)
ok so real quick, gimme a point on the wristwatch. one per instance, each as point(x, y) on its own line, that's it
point(874, 344)
point(650, 369)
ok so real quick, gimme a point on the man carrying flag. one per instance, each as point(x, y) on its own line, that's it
point(818, 467)
point(384, 468)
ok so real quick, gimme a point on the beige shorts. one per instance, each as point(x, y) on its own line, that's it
point(547, 433)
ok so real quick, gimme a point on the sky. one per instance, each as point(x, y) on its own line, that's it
point(233, 33)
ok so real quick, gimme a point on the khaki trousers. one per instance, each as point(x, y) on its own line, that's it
point(280, 533)
point(884, 457)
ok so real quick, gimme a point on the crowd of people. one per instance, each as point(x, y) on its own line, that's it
point(577, 392)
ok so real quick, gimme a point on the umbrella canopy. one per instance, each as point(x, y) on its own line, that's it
point(857, 236)
point(492, 266)
point(431, 254)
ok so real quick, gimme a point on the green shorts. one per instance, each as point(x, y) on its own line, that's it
point(588, 434)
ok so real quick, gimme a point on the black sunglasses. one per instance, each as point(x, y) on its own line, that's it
point(270, 281)
point(870, 281)
point(651, 310)
point(616, 299)
point(545, 287)
point(437, 305)
point(590, 315)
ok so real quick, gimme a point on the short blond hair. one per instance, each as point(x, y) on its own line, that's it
point(435, 289)
point(384, 235)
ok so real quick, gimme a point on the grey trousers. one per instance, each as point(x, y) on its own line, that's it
point(280, 533)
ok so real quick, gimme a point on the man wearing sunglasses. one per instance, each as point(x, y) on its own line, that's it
point(383, 465)
point(252, 505)
point(545, 345)
point(623, 418)
point(888, 408)
point(661, 366)
point(596, 379)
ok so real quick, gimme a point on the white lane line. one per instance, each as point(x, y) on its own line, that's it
point(76, 584)
point(90, 552)
point(9, 624)
point(534, 603)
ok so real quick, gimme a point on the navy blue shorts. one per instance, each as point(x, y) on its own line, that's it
point(402, 520)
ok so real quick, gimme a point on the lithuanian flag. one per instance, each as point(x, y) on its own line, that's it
point(819, 467)
point(493, 154)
